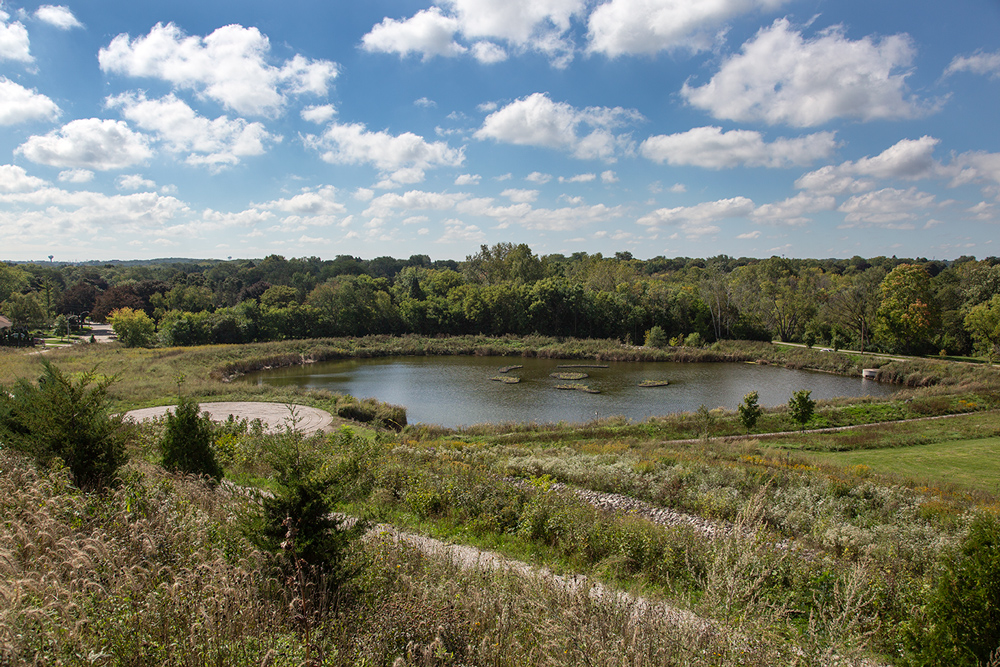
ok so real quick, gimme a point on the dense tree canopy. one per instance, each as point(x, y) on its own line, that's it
point(878, 303)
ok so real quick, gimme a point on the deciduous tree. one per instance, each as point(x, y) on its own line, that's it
point(906, 314)
point(134, 328)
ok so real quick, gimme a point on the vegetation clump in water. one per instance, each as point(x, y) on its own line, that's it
point(506, 379)
point(654, 383)
point(578, 387)
point(568, 376)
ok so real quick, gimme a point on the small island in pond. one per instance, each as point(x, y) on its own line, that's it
point(578, 387)
point(568, 376)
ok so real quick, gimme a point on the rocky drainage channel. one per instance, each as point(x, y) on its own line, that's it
point(617, 503)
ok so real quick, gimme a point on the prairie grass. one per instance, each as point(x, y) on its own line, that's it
point(831, 557)
point(824, 560)
point(156, 573)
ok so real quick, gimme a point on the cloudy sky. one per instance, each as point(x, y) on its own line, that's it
point(805, 128)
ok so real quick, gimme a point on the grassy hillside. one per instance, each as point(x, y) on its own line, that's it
point(795, 548)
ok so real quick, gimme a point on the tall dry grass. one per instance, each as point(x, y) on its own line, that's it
point(152, 573)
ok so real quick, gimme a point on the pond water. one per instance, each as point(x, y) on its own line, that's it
point(457, 391)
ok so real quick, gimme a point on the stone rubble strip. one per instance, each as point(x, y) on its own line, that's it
point(620, 504)
point(275, 416)
point(617, 503)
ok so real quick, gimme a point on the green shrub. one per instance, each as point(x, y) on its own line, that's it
point(296, 523)
point(801, 407)
point(750, 411)
point(61, 326)
point(134, 328)
point(59, 419)
point(369, 410)
point(187, 441)
point(656, 337)
point(961, 624)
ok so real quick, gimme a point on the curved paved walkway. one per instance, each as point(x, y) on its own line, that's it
point(276, 416)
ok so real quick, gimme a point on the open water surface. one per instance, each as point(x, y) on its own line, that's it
point(457, 391)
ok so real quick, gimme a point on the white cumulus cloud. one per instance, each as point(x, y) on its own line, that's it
point(403, 157)
point(319, 114)
point(782, 77)
point(980, 62)
point(794, 210)
point(309, 202)
point(489, 53)
point(427, 33)
point(413, 200)
point(700, 215)
point(628, 27)
point(214, 143)
point(59, 16)
point(538, 121)
point(519, 195)
point(712, 148)
point(907, 159)
point(14, 42)
point(889, 207)
point(479, 27)
point(52, 211)
point(15, 179)
point(579, 178)
point(20, 105)
point(88, 143)
point(229, 66)
point(456, 231)
point(76, 176)
point(134, 182)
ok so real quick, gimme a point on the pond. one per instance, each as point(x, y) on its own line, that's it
point(457, 391)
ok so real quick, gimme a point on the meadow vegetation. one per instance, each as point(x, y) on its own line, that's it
point(790, 553)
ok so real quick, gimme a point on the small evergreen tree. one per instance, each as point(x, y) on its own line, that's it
point(750, 411)
point(187, 442)
point(705, 419)
point(656, 337)
point(296, 523)
point(58, 418)
point(801, 407)
point(960, 624)
point(61, 326)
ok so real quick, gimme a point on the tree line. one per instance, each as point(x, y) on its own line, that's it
point(913, 306)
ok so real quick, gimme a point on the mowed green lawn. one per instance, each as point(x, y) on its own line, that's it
point(971, 464)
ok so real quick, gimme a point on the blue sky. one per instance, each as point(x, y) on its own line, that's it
point(659, 127)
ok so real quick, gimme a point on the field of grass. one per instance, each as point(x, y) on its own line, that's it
point(962, 464)
point(807, 548)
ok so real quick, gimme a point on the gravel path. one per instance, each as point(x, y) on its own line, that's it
point(276, 416)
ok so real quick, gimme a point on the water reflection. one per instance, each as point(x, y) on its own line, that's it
point(457, 391)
